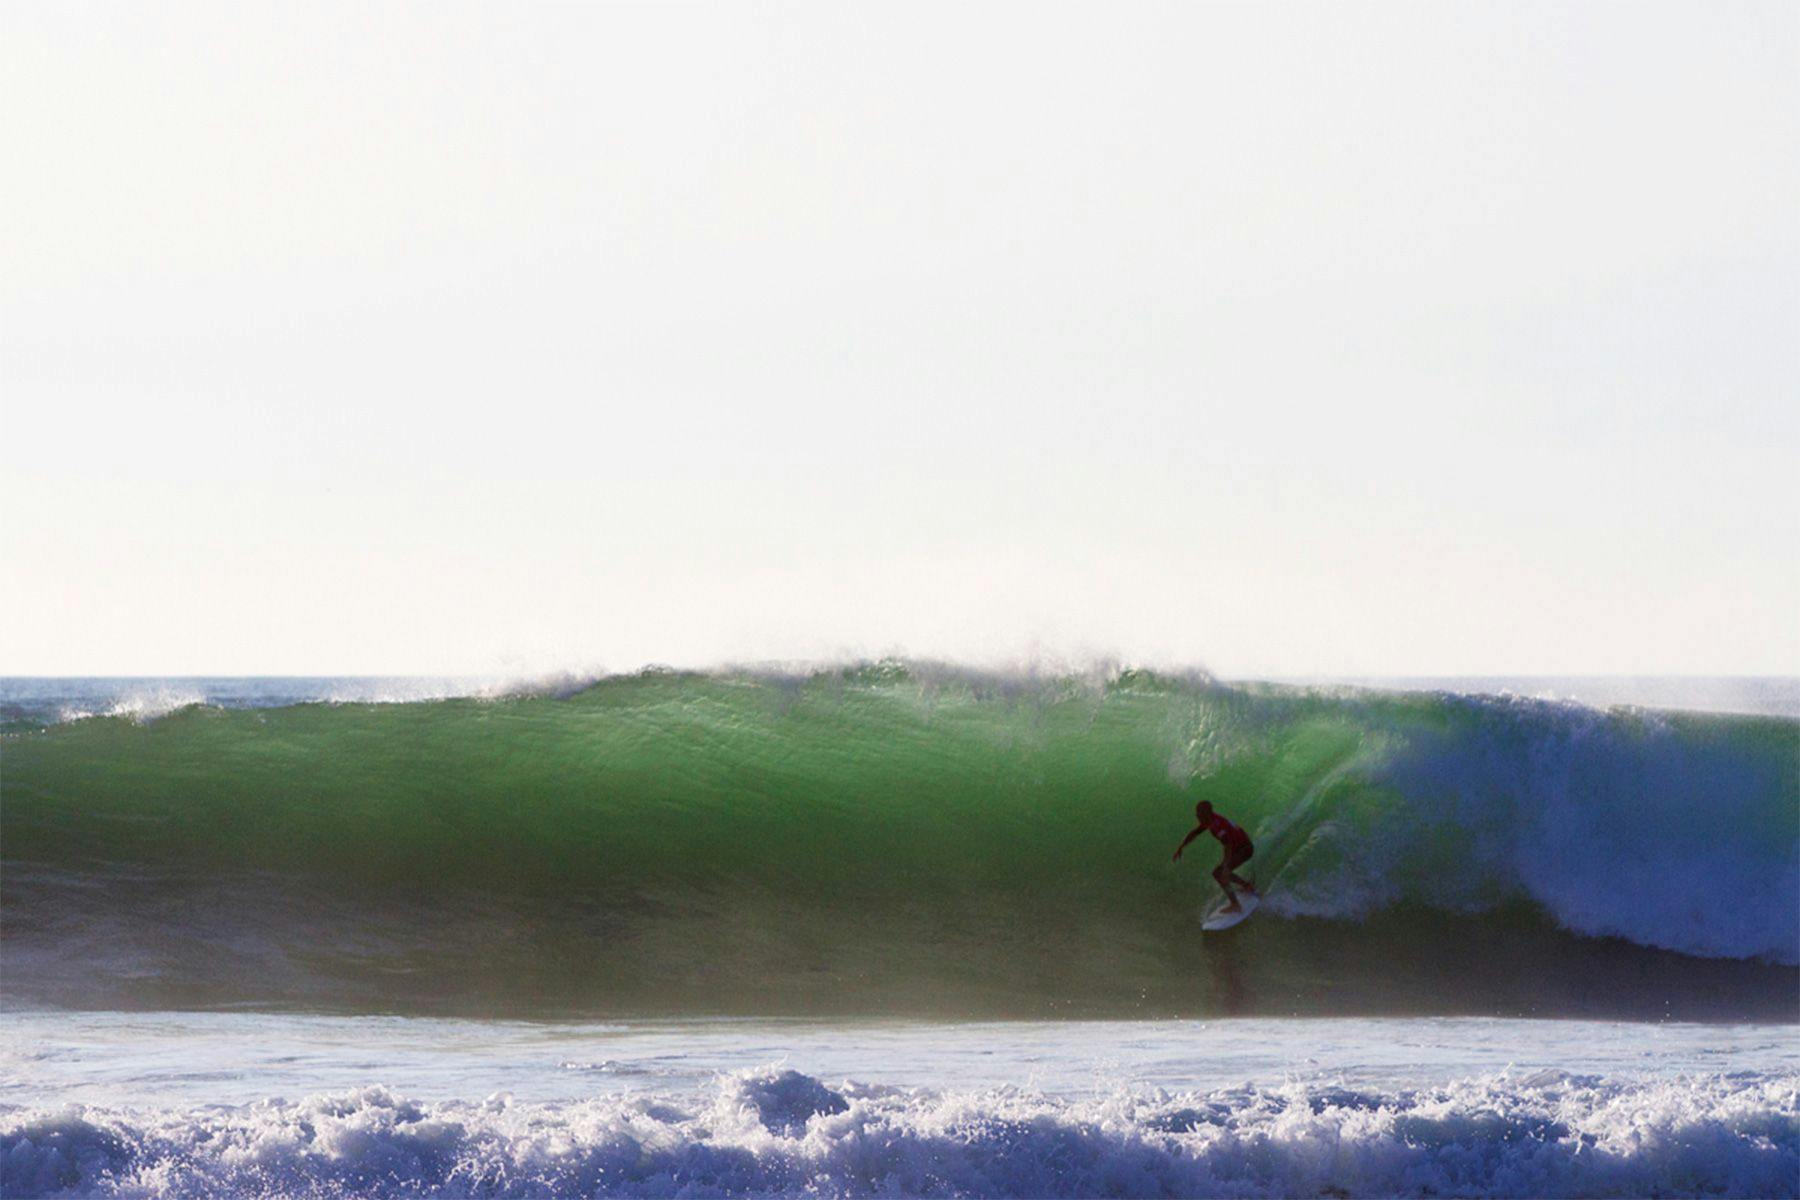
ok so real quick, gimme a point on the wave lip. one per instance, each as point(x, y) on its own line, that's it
point(141, 705)
point(772, 1132)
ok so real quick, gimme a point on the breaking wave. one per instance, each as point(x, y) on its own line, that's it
point(774, 1132)
point(901, 837)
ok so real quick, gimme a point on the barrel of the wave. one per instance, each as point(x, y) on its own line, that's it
point(887, 842)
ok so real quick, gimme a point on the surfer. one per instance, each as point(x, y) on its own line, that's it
point(1237, 851)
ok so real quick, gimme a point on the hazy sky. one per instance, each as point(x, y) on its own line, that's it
point(1285, 339)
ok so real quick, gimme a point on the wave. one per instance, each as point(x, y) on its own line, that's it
point(775, 1132)
point(33, 703)
point(903, 837)
point(138, 704)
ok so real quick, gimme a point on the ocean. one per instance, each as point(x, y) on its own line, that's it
point(897, 928)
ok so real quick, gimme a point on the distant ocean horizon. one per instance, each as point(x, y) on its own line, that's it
point(51, 698)
point(1773, 695)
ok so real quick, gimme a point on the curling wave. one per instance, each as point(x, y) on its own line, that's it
point(902, 837)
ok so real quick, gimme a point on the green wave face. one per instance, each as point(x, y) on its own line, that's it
point(891, 838)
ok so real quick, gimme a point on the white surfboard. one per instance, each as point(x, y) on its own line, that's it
point(1216, 918)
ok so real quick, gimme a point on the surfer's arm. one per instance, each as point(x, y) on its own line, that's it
point(1198, 830)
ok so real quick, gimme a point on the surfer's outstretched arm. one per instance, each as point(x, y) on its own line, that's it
point(1198, 830)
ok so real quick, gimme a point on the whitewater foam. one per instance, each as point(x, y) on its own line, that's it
point(778, 1132)
point(1626, 825)
point(140, 705)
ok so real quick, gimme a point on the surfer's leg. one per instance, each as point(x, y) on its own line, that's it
point(1235, 857)
point(1222, 876)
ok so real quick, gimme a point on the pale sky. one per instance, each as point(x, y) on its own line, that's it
point(1297, 339)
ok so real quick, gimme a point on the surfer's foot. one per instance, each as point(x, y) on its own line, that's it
point(1234, 906)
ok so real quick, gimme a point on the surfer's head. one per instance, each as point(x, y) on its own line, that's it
point(1203, 810)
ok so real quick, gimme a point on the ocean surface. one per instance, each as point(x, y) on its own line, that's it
point(897, 929)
